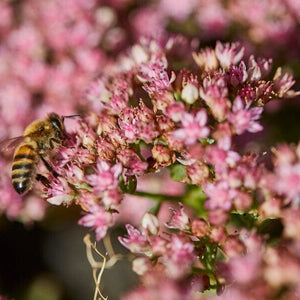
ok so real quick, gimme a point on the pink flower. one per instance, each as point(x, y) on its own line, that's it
point(106, 176)
point(60, 192)
point(243, 118)
point(283, 83)
point(217, 217)
point(150, 223)
point(138, 124)
point(223, 136)
point(147, 20)
point(193, 127)
point(99, 219)
point(229, 54)
point(212, 18)
point(141, 265)
point(262, 65)
point(214, 91)
point(244, 269)
point(112, 198)
point(177, 10)
point(288, 181)
point(108, 93)
point(220, 158)
point(131, 161)
point(179, 219)
point(180, 256)
point(206, 59)
point(175, 111)
point(159, 245)
point(237, 74)
point(136, 241)
point(128, 123)
point(219, 195)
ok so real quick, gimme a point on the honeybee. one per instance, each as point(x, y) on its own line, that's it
point(39, 137)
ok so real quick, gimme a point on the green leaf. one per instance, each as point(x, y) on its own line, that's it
point(178, 172)
point(247, 220)
point(273, 228)
point(130, 186)
point(177, 96)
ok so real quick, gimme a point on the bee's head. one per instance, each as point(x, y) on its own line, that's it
point(57, 123)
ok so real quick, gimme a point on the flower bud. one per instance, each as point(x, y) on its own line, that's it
point(163, 156)
point(200, 228)
point(190, 93)
point(141, 265)
point(150, 223)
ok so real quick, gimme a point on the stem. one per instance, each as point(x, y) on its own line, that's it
point(158, 197)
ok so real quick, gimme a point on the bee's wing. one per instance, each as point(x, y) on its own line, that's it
point(6, 146)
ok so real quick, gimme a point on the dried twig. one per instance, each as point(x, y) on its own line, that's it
point(105, 264)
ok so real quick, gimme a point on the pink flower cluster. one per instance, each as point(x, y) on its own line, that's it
point(194, 135)
point(162, 108)
point(145, 114)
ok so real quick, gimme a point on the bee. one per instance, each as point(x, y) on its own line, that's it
point(38, 138)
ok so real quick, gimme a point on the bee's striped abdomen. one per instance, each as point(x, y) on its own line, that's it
point(23, 167)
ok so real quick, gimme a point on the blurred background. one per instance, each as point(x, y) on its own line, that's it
point(49, 53)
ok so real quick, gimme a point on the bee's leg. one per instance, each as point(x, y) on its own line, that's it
point(53, 142)
point(44, 180)
point(50, 169)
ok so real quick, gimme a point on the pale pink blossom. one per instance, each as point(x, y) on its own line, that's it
point(193, 127)
point(99, 219)
point(180, 256)
point(179, 219)
point(60, 192)
point(212, 18)
point(244, 269)
point(141, 265)
point(175, 111)
point(150, 223)
point(206, 59)
point(283, 83)
point(111, 198)
point(288, 181)
point(105, 177)
point(220, 158)
point(214, 92)
point(229, 54)
point(177, 10)
point(131, 161)
point(219, 194)
point(243, 118)
point(136, 241)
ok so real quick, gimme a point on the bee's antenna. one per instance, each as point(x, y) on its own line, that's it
point(70, 116)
